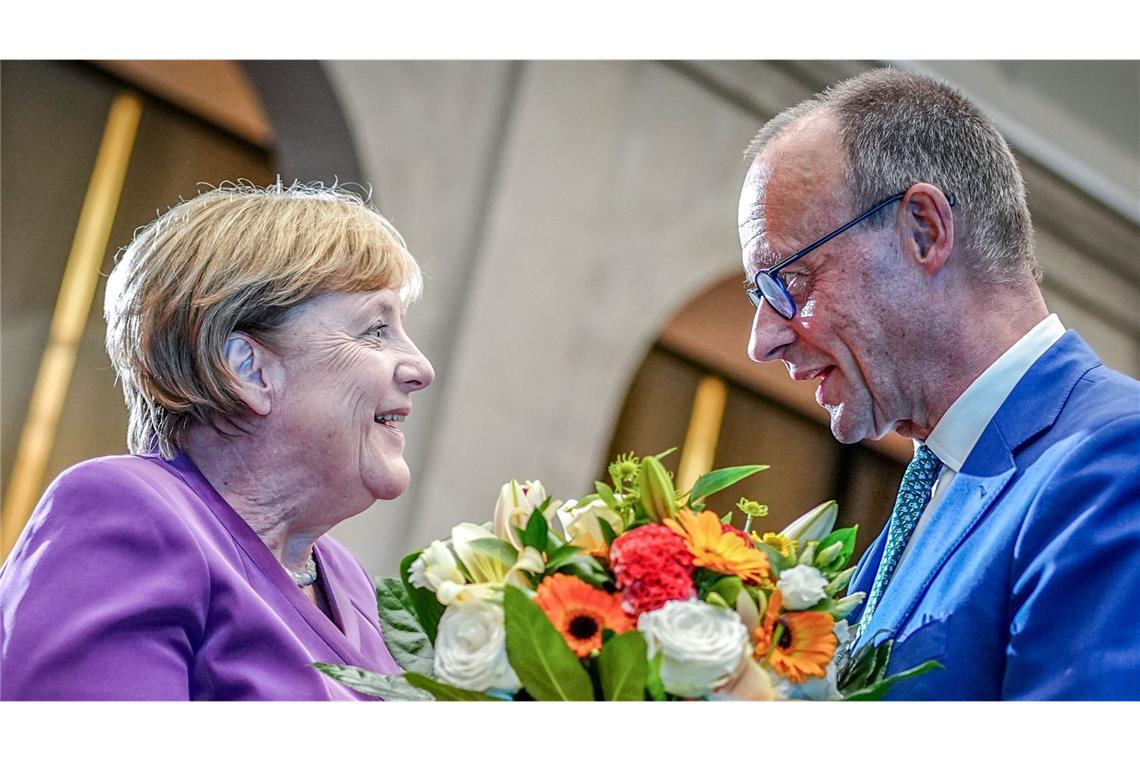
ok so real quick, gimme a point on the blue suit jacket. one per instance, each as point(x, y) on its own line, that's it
point(1025, 583)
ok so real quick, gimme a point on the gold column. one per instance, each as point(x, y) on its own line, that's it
point(704, 431)
point(76, 291)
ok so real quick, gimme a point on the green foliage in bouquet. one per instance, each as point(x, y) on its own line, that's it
point(630, 593)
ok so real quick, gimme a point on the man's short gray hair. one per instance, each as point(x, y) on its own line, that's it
point(898, 128)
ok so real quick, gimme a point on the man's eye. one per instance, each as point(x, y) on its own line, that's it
point(795, 283)
point(379, 331)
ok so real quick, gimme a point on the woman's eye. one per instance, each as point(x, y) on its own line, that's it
point(379, 331)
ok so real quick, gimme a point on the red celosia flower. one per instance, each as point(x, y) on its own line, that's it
point(652, 566)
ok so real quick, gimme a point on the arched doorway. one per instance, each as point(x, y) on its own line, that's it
point(697, 390)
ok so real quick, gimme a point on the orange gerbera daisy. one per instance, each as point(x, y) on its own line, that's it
point(797, 645)
point(580, 612)
point(719, 550)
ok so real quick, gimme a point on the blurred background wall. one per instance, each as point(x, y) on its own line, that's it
point(577, 225)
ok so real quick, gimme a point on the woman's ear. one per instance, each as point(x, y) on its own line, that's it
point(253, 368)
point(926, 227)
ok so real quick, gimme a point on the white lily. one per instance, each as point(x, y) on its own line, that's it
point(514, 507)
point(813, 526)
point(435, 565)
point(489, 570)
point(581, 523)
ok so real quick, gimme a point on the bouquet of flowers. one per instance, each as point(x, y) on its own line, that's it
point(632, 592)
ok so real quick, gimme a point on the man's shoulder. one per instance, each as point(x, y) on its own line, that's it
point(1073, 394)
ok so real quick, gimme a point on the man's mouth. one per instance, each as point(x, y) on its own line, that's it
point(812, 374)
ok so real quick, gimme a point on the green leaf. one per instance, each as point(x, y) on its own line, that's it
point(718, 480)
point(427, 608)
point(878, 690)
point(391, 688)
point(729, 588)
point(653, 683)
point(778, 561)
point(605, 493)
point(447, 693)
point(846, 538)
point(664, 453)
point(495, 548)
point(547, 668)
point(537, 532)
point(608, 532)
point(405, 636)
point(716, 600)
point(588, 569)
point(726, 518)
point(561, 556)
point(881, 661)
point(623, 667)
point(856, 674)
point(839, 583)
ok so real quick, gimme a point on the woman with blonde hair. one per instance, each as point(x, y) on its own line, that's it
point(258, 336)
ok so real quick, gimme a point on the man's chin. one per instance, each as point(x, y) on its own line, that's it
point(845, 429)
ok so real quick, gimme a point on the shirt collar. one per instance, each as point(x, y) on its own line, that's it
point(960, 428)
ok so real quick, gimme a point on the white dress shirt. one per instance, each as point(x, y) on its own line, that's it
point(955, 435)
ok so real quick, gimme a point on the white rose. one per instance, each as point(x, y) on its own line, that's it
point(702, 647)
point(471, 648)
point(802, 586)
point(435, 566)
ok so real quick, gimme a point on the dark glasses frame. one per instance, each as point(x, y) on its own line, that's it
point(771, 288)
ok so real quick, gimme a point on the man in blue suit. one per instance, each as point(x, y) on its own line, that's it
point(1013, 553)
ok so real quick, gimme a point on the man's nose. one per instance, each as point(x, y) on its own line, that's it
point(770, 334)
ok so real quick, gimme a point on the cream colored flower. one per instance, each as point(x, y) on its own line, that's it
point(471, 648)
point(802, 586)
point(702, 647)
point(435, 565)
point(582, 524)
point(514, 507)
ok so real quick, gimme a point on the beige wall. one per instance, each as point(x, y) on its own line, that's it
point(563, 211)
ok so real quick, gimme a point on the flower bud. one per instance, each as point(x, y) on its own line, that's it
point(847, 604)
point(656, 488)
point(813, 526)
point(826, 557)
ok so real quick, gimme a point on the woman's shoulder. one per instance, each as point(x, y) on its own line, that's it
point(125, 496)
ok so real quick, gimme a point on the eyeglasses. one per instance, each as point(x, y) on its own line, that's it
point(770, 285)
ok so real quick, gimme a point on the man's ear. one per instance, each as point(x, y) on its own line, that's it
point(926, 227)
point(254, 369)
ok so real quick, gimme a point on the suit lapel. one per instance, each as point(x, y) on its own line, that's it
point(1031, 408)
point(970, 498)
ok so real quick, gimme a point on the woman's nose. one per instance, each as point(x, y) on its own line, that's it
point(416, 373)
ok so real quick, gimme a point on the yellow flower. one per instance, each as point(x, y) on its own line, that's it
point(717, 549)
point(779, 542)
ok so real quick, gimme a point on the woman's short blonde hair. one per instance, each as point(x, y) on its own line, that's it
point(236, 258)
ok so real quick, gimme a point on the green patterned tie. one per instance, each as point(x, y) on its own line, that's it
point(914, 494)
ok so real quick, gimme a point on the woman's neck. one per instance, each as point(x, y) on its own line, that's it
point(263, 490)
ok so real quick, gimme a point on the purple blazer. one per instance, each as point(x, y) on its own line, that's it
point(135, 580)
